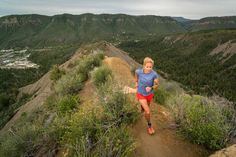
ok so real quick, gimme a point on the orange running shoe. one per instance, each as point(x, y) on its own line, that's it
point(151, 131)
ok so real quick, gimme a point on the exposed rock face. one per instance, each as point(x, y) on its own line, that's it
point(226, 152)
point(227, 49)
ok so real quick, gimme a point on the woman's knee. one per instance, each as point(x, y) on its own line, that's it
point(145, 106)
point(147, 111)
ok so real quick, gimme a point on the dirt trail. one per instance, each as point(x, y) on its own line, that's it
point(165, 142)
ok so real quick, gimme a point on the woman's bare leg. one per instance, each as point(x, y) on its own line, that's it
point(146, 108)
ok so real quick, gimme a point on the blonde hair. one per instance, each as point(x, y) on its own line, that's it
point(148, 60)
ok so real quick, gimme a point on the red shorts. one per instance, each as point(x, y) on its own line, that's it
point(148, 97)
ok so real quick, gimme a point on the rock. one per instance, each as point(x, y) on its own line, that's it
point(226, 152)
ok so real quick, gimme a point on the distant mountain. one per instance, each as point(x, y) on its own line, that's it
point(181, 19)
point(211, 23)
point(38, 30)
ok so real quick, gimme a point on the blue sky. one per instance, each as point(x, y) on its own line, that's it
point(193, 9)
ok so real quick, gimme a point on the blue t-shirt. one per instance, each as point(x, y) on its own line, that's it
point(145, 80)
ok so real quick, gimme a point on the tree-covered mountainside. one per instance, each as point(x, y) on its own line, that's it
point(210, 23)
point(37, 30)
point(205, 61)
point(12, 79)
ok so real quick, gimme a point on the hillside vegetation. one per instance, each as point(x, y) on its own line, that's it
point(88, 114)
point(65, 123)
point(12, 79)
point(190, 59)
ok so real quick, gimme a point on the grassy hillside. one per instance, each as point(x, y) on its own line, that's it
point(185, 57)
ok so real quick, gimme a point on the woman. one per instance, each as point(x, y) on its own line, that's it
point(146, 80)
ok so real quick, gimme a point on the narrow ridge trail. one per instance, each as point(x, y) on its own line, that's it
point(165, 142)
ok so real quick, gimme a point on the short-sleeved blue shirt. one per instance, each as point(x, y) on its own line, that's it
point(145, 80)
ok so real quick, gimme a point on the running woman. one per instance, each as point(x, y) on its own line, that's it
point(146, 80)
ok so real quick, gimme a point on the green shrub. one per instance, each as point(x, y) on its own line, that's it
point(56, 72)
point(18, 143)
point(26, 141)
point(115, 142)
point(67, 103)
point(160, 96)
point(87, 63)
point(117, 107)
point(201, 121)
point(30, 139)
point(171, 87)
point(73, 82)
point(88, 134)
point(80, 125)
point(69, 84)
point(101, 75)
point(50, 102)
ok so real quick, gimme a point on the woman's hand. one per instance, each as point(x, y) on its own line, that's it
point(148, 89)
point(136, 85)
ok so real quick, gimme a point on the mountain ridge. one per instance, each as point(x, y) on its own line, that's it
point(34, 30)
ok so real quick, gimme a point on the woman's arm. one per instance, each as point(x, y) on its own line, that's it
point(156, 83)
point(136, 80)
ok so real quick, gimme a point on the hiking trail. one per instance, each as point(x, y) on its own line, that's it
point(165, 142)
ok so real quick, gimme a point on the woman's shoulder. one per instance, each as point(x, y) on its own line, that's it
point(139, 70)
point(155, 73)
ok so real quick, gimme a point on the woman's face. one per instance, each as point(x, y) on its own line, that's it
point(147, 67)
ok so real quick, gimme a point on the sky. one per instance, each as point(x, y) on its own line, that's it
point(192, 9)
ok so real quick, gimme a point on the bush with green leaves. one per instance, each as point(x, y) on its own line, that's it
point(72, 82)
point(69, 84)
point(88, 134)
point(67, 103)
point(171, 87)
point(87, 63)
point(81, 124)
point(116, 104)
point(117, 108)
point(115, 142)
point(56, 72)
point(160, 96)
point(202, 121)
point(37, 136)
point(18, 143)
point(101, 75)
point(27, 141)
point(92, 133)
